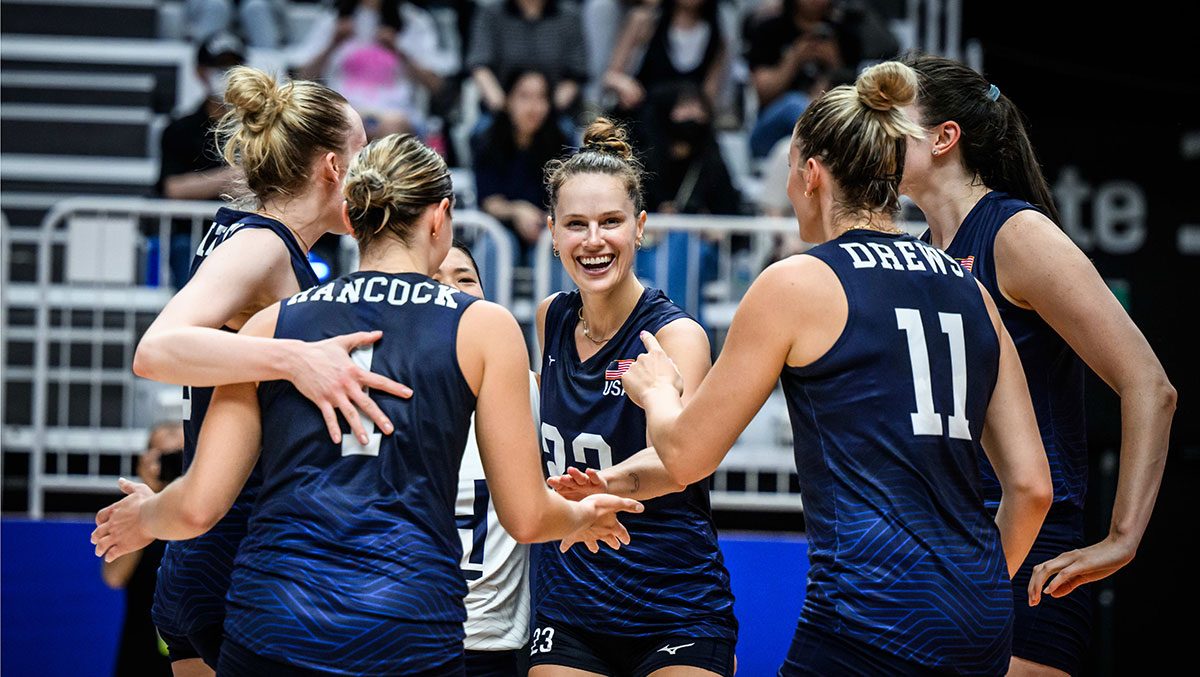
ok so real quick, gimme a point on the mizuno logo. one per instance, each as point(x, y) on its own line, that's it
point(672, 649)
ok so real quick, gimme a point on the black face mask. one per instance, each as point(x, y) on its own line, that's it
point(170, 466)
point(691, 132)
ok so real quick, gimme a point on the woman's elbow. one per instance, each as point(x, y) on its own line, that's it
point(197, 518)
point(1167, 395)
point(146, 359)
point(524, 530)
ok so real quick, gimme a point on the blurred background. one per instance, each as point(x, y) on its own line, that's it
point(108, 177)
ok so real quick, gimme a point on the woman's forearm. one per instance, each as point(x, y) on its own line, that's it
point(200, 356)
point(642, 476)
point(1019, 520)
point(1146, 413)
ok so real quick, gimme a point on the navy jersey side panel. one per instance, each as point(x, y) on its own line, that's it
point(904, 556)
point(351, 563)
point(194, 574)
point(672, 574)
point(1054, 372)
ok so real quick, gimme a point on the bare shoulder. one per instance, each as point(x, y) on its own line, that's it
point(798, 278)
point(1031, 230)
point(683, 334)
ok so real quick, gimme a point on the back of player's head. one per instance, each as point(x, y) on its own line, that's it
point(274, 131)
point(994, 145)
point(389, 185)
point(858, 132)
point(605, 150)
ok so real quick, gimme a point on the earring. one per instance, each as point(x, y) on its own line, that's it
point(556, 252)
point(637, 246)
point(936, 151)
point(808, 193)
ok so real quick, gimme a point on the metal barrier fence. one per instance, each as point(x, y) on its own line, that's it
point(105, 267)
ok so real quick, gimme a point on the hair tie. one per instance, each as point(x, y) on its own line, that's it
point(594, 147)
point(993, 92)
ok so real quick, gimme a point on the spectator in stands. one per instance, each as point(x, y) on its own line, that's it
point(510, 156)
point(685, 175)
point(521, 34)
point(191, 166)
point(260, 21)
point(679, 40)
point(686, 170)
point(793, 55)
point(604, 20)
point(139, 653)
point(384, 56)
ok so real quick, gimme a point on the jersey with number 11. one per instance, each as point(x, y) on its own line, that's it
point(904, 556)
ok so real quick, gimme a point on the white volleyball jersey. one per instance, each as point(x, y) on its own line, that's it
point(495, 565)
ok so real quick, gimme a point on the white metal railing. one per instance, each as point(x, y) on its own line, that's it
point(87, 420)
point(105, 268)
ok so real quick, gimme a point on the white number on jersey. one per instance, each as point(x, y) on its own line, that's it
point(926, 421)
point(362, 356)
point(546, 637)
point(583, 442)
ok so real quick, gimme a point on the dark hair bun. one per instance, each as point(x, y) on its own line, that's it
point(606, 136)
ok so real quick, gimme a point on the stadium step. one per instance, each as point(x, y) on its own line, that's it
point(135, 90)
point(86, 18)
point(21, 173)
point(54, 129)
point(167, 62)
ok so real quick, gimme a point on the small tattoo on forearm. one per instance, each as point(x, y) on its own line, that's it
point(637, 481)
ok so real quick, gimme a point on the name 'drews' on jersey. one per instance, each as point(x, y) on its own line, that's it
point(909, 255)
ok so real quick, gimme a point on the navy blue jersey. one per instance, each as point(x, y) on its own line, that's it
point(194, 574)
point(904, 556)
point(672, 574)
point(1052, 369)
point(351, 562)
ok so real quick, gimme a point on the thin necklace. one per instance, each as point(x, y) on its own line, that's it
point(588, 334)
point(269, 215)
point(867, 226)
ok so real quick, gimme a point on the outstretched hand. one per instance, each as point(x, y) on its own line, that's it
point(653, 369)
point(599, 522)
point(1077, 567)
point(328, 376)
point(576, 486)
point(118, 527)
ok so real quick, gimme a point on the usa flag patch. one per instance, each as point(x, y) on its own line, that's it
point(616, 368)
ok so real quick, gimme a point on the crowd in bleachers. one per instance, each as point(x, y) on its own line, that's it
point(709, 89)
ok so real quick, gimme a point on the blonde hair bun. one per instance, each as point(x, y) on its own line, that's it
point(886, 86)
point(256, 98)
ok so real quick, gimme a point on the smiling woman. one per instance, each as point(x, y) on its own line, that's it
point(665, 600)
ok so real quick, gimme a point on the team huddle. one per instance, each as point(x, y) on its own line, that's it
point(368, 458)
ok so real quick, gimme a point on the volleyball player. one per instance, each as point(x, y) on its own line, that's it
point(975, 176)
point(664, 601)
point(292, 143)
point(896, 370)
point(495, 565)
point(351, 562)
